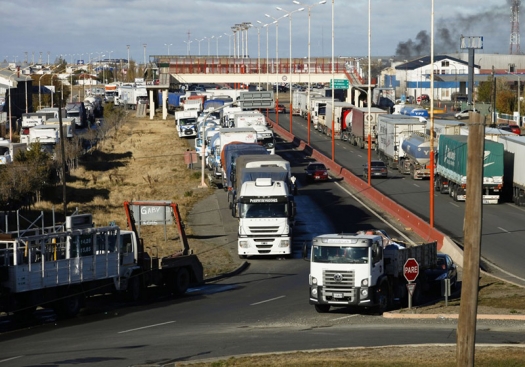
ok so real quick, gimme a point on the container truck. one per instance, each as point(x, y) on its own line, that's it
point(229, 154)
point(249, 161)
point(186, 123)
point(392, 131)
point(416, 161)
point(451, 168)
point(360, 124)
point(59, 266)
point(255, 119)
point(514, 169)
point(9, 150)
point(228, 114)
point(362, 270)
point(445, 127)
point(265, 210)
point(225, 137)
point(318, 111)
point(299, 103)
point(341, 119)
point(130, 95)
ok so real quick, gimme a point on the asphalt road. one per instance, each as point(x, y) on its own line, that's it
point(503, 225)
point(263, 309)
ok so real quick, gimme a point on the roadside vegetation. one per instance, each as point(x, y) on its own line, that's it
point(397, 356)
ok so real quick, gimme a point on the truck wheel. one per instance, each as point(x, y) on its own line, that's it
point(383, 298)
point(69, 307)
point(322, 308)
point(182, 281)
point(134, 288)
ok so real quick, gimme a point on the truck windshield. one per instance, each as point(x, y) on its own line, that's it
point(267, 142)
point(264, 210)
point(340, 254)
point(186, 122)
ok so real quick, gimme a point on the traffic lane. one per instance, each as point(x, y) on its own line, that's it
point(184, 340)
point(449, 215)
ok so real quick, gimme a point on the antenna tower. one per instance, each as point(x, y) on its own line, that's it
point(515, 28)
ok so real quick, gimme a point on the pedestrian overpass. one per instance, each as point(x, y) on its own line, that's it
point(173, 71)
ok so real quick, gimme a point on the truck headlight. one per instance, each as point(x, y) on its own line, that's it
point(284, 243)
point(364, 283)
point(243, 244)
point(314, 292)
point(314, 280)
point(364, 292)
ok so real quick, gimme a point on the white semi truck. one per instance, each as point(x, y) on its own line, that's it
point(186, 123)
point(364, 270)
point(265, 211)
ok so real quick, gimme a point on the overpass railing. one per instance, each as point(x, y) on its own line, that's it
point(229, 65)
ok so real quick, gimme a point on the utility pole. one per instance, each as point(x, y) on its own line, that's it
point(466, 334)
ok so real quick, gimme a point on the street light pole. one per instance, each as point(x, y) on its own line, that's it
point(217, 45)
point(309, 73)
point(289, 15)
point(276, 22)
point(168, 45)
point(127, 70)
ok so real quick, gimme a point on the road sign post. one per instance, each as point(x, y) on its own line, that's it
point(410, 271)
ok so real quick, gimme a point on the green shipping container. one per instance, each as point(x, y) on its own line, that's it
point(452, 159)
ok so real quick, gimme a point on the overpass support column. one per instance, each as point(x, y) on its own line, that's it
point(151, 105)
point(164, 104)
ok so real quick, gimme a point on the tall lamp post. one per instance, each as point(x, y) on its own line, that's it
point(200, 44)
point(309, 74)
point(127, 70)
point(289, 15)
point(276, 22)
point(217, 45)
point(168, 45)
point(209, 38)
point(229, 43)
point(267, 60)
point(259, 53)
point(188, 47)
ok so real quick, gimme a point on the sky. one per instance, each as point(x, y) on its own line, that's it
point(88, 30)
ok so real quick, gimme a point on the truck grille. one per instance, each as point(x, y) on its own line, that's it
point(339, 286)
point(264, 230)
point(338, 280)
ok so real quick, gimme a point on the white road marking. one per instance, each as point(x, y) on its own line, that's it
point(503, 229)
point(268, 300)
point(377, 215)
point(145, 327)
point(456, 205)
point(9, 359)
point(416, 185)
point(342, 318)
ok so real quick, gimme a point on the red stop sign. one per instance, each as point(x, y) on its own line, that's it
point(411, 269)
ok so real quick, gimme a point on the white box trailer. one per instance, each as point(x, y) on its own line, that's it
point(392, 131)
point(9, 150)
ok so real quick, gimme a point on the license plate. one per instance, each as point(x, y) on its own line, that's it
point(317, 177)
point(338, 295)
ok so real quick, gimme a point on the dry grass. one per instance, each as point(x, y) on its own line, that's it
point(398, 356)
point(143, 160)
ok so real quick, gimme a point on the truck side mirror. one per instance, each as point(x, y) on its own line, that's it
point(305, 252)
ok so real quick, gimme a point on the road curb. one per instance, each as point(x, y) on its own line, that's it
point(415, 316)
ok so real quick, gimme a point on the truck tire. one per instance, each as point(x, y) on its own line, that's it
point(69, 307)
point(134, 291)
point(182, 281)
point(322, 308)
point(383, 298)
